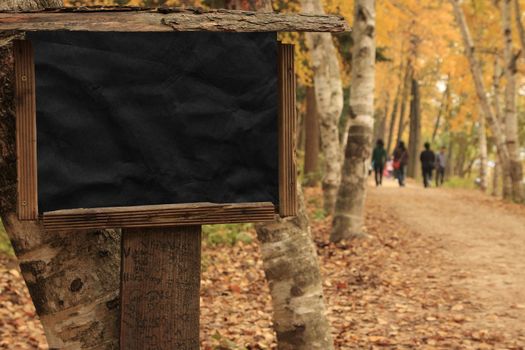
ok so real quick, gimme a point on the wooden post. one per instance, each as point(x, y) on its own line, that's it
point(160, 288)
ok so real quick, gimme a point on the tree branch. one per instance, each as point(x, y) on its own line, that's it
point(126, 19)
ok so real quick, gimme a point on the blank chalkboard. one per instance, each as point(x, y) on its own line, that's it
point(127, 119)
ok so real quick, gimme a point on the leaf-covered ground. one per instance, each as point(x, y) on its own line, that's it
point(403, 288)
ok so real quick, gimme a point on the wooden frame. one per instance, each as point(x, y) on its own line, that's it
point(159, 215)
point(26, 130)
point(152, 215)
point(287, 132)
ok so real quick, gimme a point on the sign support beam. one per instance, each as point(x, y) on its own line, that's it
point(160, 282)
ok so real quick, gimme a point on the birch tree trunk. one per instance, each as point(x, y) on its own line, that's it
point(506, 191)
point(490, 117)
point(349, 210)
point(73, 277)
point(329, 98)
point(291, 268)
point(519, 25)
point(311, 142)
point(511, 116)
point(482, 153)
point(521, 31)
point(292, 271)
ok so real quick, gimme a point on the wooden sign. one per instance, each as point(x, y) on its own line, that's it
point(143, 119)
point(154, 129)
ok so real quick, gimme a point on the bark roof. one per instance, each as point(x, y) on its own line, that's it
point(140, 19)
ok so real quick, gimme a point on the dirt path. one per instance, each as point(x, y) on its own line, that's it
point(443, 270)
point(482, 241)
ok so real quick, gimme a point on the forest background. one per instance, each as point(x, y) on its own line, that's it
point(424, 92)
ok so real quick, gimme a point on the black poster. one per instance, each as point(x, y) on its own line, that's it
point(155, 118)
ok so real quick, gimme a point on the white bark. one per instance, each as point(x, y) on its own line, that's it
point(291, 268)
point(511, 116)
point(496, 92)
point(329, 96)
point(349, 210)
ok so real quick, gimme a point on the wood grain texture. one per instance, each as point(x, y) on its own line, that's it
point(159, 215)
point(160, 284)
point(287, 132)
point(25, 105)
point(168, 19)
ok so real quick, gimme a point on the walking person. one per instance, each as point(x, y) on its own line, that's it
point(427, 158)
point(400, 163)
point(378, 161)
point(441, 164)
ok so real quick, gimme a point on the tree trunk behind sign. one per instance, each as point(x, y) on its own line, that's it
point(291, 268)
point(329, 98)
point(311, 142)
point(292, 271)
point(349, 209)
point(73, 277)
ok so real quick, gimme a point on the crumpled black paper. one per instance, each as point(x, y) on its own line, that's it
point(155, 118)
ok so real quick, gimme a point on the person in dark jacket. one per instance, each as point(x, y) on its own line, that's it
point(400, 163)
point(427, 159)
point(378, 161)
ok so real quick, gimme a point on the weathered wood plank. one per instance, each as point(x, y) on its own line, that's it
point(158, 215)
point(168, 19)
point(160, 288)
point(26, 130)
point(287, 132)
